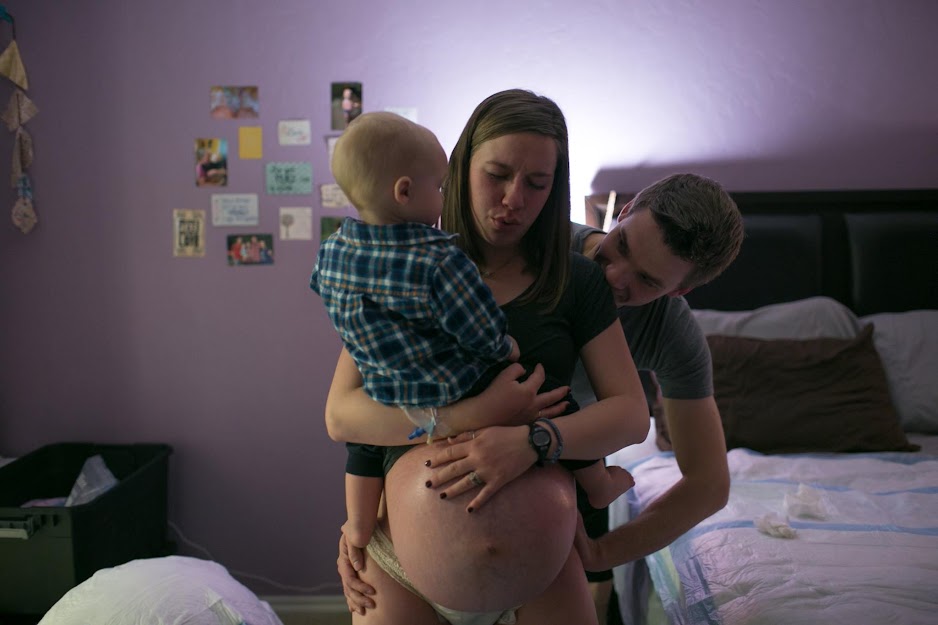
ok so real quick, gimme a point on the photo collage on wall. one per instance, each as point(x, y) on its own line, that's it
point(219, 166)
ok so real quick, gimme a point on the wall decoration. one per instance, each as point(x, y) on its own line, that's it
point(346, 103)
point(234, 102)
point(328, 225)
point(294, 132)
point(330, 144)
point(211, 162)
point(250, 142)
point(296, 223)
point(188, 233)
point(405, 112)
point(332, 196)
point(289, 178)
point(250, 249)
point(234, 209)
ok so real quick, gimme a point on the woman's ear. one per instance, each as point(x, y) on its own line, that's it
point(402, 189)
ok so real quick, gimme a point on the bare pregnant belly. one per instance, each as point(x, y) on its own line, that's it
point(495, 558)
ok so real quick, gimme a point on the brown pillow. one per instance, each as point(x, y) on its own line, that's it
point(787, 396)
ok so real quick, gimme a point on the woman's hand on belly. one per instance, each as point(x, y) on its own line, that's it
point(493, 559)
point(481, 462)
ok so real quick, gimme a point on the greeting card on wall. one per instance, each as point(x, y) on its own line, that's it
point(235, 102)
point(294, 132)
point(250, 142)
point(211, 162)
point(234, 209)
point(296, 223)
point(289, 178)
point(188, 233)
point(332, 196)
point(250, 249)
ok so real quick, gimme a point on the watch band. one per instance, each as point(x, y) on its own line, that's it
point(554, 457)
point(541, 448)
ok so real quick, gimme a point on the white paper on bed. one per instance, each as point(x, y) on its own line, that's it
point(874, 559)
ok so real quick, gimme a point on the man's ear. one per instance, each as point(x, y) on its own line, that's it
point(402, 189)
point(679, 292)
point(625, 211)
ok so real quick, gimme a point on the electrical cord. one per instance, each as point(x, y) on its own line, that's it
point(243, 574)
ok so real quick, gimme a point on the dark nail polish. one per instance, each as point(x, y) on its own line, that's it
point(427, 463)
point(428, 484)
point(470, 510)
point(442, 495)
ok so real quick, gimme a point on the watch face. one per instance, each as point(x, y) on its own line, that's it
point(541, 437)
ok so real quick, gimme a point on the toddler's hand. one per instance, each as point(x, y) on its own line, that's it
point(515, 350)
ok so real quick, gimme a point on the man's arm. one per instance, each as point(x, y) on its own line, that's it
point(700, 449)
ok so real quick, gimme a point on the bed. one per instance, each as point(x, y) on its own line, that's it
point(824, 335)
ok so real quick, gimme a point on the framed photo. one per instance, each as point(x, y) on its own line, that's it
point(250, 249)
point(188, 233)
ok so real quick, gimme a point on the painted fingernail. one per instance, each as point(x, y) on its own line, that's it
point(427, 463)
point(470, 510)
point(442, 495)
point(428, 484)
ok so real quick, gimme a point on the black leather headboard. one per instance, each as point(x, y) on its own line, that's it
point(875, 251)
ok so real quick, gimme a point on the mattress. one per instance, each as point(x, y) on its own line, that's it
point(864, 551)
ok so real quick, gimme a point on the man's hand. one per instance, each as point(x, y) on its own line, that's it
point(351, 560)
point(589, 550)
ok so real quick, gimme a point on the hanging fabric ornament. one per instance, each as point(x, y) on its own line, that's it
point(24, 215)
point(11, 66)
point(22, 155)
point(20, 109)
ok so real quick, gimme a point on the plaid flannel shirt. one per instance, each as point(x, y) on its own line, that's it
point(412, 310)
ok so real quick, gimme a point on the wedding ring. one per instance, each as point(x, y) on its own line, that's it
point(475, 479)
point(538, 414)
point(472, 434)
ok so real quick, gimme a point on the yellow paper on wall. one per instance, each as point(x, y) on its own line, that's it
point(250, 142)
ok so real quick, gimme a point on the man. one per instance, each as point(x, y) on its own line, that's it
point(676, 234)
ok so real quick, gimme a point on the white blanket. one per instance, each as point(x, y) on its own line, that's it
point(864, 545)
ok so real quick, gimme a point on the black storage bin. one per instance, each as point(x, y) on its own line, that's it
point(46, 551)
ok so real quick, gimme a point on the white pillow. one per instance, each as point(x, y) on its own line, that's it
point(908, 346)
point(161, 591)
point(811, 318)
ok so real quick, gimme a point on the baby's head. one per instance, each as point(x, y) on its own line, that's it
point(391, 169)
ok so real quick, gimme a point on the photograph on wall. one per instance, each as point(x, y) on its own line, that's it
point(234, 209)
point(346, 103)
point(188, 233)
point(235, 102)
point(328, 225)
point(211, 162)
point(250, 249)
point(296, 223)
point(289, 178)
point(294, 132)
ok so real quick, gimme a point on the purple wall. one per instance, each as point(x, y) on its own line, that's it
point(105, 336)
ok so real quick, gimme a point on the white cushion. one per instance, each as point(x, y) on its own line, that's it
point(815, 317)
point(174, 590)
point(907, 344)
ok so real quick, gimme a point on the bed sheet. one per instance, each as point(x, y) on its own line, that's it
point(871, 556)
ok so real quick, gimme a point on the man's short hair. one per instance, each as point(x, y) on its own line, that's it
point(699, 220)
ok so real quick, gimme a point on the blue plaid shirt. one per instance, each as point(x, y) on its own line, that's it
point(412, 311)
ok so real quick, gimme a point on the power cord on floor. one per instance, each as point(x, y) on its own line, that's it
point(304, 589)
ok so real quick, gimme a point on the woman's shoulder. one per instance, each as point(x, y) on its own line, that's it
point(582, 267)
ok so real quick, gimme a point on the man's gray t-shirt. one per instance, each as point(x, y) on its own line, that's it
point(663, 337)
